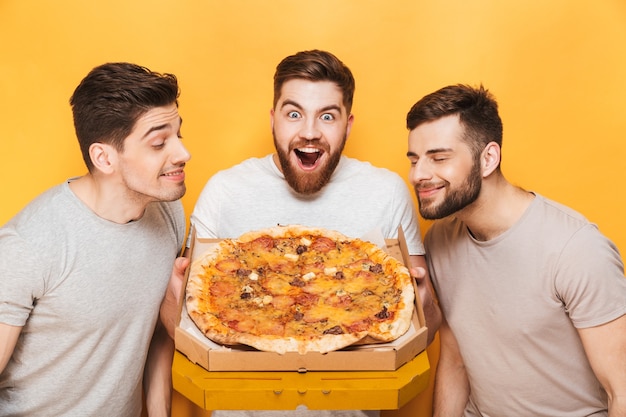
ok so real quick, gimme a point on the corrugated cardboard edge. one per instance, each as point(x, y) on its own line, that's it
point(355, 358)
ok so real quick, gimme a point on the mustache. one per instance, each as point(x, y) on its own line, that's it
point(428, 185)
point(316, 143)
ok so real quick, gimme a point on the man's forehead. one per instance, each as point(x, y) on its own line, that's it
point(158, 118)
point(446, 131)
point(303, 91)
point(156, 114)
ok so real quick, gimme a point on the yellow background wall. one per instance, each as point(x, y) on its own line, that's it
point(558, 69)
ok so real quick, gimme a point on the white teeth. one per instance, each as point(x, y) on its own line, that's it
point(308, 150)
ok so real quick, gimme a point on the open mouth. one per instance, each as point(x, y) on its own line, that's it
point(175, 175)
point(308, 157)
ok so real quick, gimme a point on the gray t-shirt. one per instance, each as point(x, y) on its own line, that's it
point(87, 293)
point(514, 304)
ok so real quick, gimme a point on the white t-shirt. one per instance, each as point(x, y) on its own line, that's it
point(359, 199)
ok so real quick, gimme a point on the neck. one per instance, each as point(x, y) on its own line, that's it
point(106, 200)
point(499, 206)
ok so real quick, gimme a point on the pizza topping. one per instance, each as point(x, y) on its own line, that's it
point(298, 282)
point(323, 245)
point(308, 276)
point(383, 314)
point(301, 288)
point(292, 256)
point(334, 330)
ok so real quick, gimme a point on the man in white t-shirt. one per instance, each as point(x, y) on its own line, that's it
point(308, 181)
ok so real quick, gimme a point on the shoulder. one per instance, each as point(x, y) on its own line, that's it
point(555, 209)
point(45, 210)
point(358, 165)
point(246, 166)
point(250, 171)
point(351, 167)
point(565, 226)
point(42, 228)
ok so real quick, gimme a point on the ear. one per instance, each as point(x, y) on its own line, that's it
point(103, 157)
point(349, 126)
point(490, 158)
point(272, 118)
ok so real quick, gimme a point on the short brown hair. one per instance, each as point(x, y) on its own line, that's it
point(476, 107)
point(110, 99)
point(315, 65)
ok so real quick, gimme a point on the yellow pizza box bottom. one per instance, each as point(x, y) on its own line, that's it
point(191, 342)
point(324, 390)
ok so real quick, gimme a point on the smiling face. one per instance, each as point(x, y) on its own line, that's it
point(444, 172)
point(151, 165)
point(310, 125)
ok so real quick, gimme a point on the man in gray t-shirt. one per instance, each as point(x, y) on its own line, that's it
point(84, 267)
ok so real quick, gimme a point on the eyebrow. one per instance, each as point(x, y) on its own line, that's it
point(430, 152)
point(299, 107)
point(161, 127)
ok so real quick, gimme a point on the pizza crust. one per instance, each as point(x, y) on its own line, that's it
point(203, 309)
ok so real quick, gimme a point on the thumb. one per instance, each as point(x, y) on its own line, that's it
point(418, 273)
point(180, 265)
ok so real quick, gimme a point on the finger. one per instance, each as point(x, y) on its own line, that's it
point(418, 273)
point(180, 265)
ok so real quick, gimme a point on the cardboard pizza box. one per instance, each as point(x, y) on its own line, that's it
point(192, 343)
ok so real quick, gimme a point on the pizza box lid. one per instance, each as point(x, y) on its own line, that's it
point(368, 357)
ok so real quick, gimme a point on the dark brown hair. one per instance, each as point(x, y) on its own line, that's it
point(110, 99)
point(476, 107)
point(315, 65)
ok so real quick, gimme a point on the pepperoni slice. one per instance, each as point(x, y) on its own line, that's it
point(323, 245)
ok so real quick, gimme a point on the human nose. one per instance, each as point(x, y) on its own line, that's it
point(419, 172)
point(181, 154)
point(310, 130)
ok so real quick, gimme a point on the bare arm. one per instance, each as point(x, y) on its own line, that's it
point(158, 370)
point(169, 307)
point(157, 379)
point(432, 313)
point(605, 346)
point(451, 384)
point(8, 340)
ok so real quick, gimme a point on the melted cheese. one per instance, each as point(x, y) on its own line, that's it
point(334, 288)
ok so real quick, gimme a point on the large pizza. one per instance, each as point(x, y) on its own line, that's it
point(298, 289)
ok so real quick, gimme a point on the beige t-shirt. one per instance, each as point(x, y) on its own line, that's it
point(514, 304)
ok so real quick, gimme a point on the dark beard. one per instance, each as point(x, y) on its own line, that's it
point(308, 183)
point(456, 199)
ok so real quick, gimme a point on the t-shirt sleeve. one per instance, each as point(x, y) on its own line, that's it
point(204, 218)
point(409, 220)
point(590, 279)
point(22, 280)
